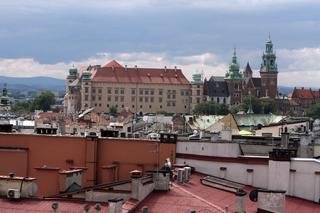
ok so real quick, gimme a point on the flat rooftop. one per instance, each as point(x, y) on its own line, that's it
point(180, 198)
point(195, 196)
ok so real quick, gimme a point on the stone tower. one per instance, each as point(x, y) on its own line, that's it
point(234, 81)
point(269, 72)
point(72, 97)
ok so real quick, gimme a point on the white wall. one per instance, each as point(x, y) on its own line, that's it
point(209, 148)
point(304, 182)
point(235, 171)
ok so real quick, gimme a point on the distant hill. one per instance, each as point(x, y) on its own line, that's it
point(285, 90)
point(33, 83)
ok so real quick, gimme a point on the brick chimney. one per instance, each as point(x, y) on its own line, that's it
point(115, 205)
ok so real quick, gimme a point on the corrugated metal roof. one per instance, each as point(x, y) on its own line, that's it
point(257, 119)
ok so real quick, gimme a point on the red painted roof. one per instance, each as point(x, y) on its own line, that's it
point(119, 74)
point(194, 195)
point(36, 206)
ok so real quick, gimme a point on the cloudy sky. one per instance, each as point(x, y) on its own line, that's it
point(45, 38)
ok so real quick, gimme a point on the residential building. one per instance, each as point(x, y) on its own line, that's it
point(305, 97)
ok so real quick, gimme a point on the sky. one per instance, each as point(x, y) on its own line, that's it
point(46, 38)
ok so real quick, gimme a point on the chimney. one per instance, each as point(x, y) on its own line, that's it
point(165, 68)
point(135, 66)
point(285, 139)
point(175, 68)
point(240, 201)
point(136, 176)
point(115, 205)
point(113, 68)
point(125, 68)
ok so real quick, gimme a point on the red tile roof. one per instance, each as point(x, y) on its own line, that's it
point(305, 93)
point(113, 63)
point(118, 74)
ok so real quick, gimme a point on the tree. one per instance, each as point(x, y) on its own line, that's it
point(314, 111)
point(44, 101)
point(259, 105)
point(22, 107)
point(113, 111)
point(211, 108)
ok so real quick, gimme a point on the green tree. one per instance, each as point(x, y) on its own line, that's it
point(254, 102)
point(268, 105)
point(211, 108)
point(314, 111)
point(43, 101)
point(113, 111)
point(22, 107)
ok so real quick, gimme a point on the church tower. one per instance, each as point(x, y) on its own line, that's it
point(234, 80)
point(269, 72)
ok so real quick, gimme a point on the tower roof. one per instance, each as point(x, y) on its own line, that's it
point(248, 68)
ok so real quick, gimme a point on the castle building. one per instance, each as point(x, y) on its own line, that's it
point(137, 89)
point(235, 85)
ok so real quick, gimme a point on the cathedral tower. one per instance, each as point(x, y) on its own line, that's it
point(269, 72)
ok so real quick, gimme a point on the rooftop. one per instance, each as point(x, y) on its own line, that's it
point(194, 195)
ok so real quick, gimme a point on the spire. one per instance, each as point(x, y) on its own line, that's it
point(234, 57)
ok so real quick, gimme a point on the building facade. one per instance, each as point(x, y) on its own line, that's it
point(235, 84)
point(137, 89)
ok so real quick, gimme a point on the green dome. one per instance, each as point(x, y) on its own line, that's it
point(86, 75)
point(73, 71)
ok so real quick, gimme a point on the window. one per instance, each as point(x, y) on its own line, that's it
point(146, 92)
point(224, 100)
point(160, 106)
point(174, 96)
point(100, 90)
point(140, 99)
point(160, 91)
point(133, 91)
point(107, 105)
point(116, 98)
point(93, 90)
point(133, 98)
point(174, 103)
point(168, 103)
point(109, 98)
point(149, 106)
point(198, 100)
point(169, 96)
point(122, 98)
point(121, 91)
point(198, 86)
point(141, 91)
point(99, 98)
point(151, 92)
point(116, 91)
point(109, 90)
point(86, 89)
point(86, 97)
point(182, 93)
point(146, 99)
point(218, 100)
point(160, 100)
point(93, 98)
point(173, 91)
point(132, 106)
point(198, 92)
point(95, 104)
point(99, 105)
point(151, 99)
point(122, 105)
point(140, 106)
